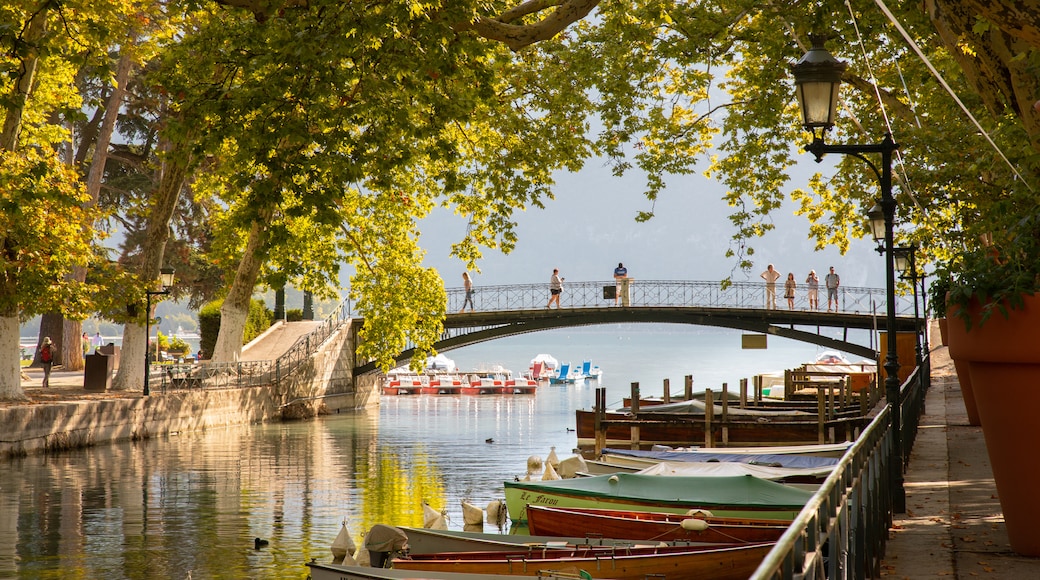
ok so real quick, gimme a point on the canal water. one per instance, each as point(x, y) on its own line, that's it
point(191, 505)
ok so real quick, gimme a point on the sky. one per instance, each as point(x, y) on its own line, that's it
point(591, 226)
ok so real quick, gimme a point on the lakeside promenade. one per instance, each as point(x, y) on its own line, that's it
point(953, 527)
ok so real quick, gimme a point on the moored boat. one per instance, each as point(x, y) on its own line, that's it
point(427, 541)
point(319, 571)
point(652, 526)
point(739, 496)
point(519, 386)
point(729, 563)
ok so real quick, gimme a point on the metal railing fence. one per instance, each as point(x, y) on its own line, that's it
point(708, 294)
point(842, 530)
point(211, 375)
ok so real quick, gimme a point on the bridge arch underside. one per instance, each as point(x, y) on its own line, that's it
point(469, 329)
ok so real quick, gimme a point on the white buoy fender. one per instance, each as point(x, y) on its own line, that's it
point(694, 525)
point(343, 546)
point(550, 473)
point(613, 479)
point(495, 515)
point(553, 459)
point(699, 513)
point(433, 519)
point(571, 466)
point(471, 514)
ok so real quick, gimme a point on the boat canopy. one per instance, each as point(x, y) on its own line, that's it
point(741, 490)
point(789, 460)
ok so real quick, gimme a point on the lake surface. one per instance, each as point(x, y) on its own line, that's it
point(189, 506)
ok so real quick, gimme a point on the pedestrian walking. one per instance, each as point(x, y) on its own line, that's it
point(814, 290)
point(620, 273)
point(85, 343)
point(832, 281)
point(789, 288)
point(555, 288)
point(770, 276)
point(469, 292)
point(98, 342)
point(47, 352)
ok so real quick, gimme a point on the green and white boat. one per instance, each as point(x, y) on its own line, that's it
point(734, 496)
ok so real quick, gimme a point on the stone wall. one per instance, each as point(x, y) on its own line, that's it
point(323, 385)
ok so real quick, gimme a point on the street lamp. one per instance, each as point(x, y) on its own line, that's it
point(906, 264)
point(166, 279)
point(817, 78)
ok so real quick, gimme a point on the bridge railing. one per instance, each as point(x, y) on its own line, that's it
point(663, 293)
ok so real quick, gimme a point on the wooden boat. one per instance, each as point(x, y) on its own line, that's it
point(731, 563)
point(427, 541)
point(320, 571)
point(679, 430)
point(644, 458)
point(740, 496)
point(651, 526)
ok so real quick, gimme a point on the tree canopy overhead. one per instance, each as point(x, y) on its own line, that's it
point(311, 133)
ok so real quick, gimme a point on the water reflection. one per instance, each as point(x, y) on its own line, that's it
point(191, 505)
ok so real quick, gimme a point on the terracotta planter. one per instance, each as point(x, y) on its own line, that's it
point(961, 365)
point(1003, 360)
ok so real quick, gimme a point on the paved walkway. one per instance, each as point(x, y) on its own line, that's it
point(953, 526)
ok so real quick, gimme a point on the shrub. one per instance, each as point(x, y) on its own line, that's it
point(294, 315)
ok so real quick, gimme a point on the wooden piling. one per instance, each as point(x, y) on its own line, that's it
point(600, 429)
point(725, 415)
point(688, 393)
point(743, 393)
point(667, 397)
point(709, 416)
point(634, 429)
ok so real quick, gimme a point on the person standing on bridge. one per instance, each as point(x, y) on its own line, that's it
point(789, 288)
point(620, 273)
point(555, 288)
point(832, 281)
point(814, 290)
point(469, 292)
point(770, 276)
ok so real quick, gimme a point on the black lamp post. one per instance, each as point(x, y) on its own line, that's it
point(817, 78)
point(166, 279)
point(906, 264)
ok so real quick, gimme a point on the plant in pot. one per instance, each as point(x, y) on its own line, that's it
point(938, 290)
point(994, 317)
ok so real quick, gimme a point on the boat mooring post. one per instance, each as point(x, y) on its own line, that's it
point(725, 414)
point(689, 388)
point(599, 432)
point(634, 428)
point(709, 415)
point(743, 393)
point(667, 391)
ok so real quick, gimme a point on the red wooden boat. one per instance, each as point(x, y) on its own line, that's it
point(728, 563)
point(651, 526)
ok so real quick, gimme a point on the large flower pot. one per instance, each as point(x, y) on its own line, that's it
point(944, 332)
point(1004, 364)
point(960, 365)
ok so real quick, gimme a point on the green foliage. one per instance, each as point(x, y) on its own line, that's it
point(173, 345)
point(259, 320)
point(209, 327)
point(294, 315)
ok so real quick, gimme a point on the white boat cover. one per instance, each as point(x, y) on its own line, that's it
point(728, 469)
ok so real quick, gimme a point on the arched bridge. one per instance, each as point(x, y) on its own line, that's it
point(500, 311)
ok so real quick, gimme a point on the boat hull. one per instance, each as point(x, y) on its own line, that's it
point(738, 497)
point(655, 526)
point(734, 563)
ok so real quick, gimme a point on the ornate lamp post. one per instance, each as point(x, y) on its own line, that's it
point(166, 279)
point(817, 78)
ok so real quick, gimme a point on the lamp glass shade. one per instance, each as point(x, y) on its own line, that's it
point(817, 78)
point(901, 257)
point(876, 215)
point(166, 276)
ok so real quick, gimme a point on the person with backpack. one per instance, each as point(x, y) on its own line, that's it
point(47, 352)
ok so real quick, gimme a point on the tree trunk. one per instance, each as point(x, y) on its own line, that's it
point(10, 364)
point(235, 310)
point(174, 170)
